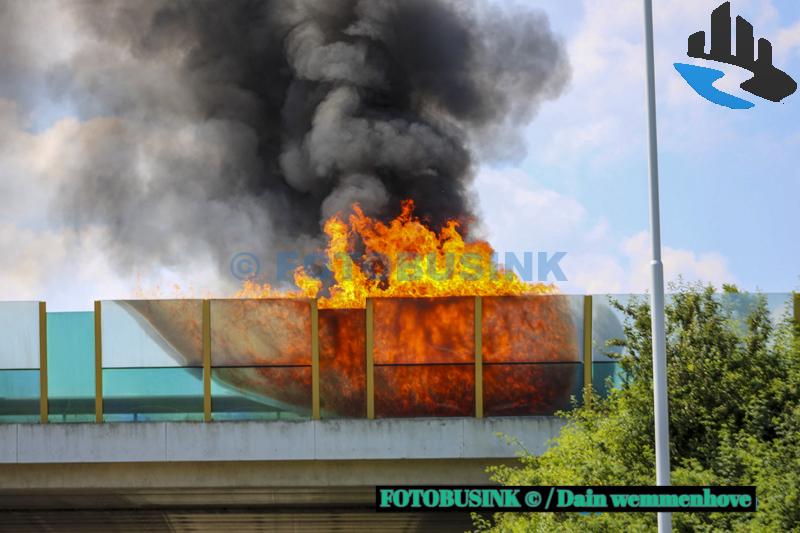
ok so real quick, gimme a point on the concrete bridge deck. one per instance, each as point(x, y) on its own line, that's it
point(260, 476)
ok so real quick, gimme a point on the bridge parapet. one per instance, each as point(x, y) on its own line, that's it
point(310, 440)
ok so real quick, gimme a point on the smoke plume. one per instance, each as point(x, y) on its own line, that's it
point(213, 127)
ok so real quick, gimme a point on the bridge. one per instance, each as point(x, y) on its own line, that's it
point(182, 474)
point(193, 415)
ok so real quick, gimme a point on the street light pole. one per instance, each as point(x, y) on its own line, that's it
point(657, 280)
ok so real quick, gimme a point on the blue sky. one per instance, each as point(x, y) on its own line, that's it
point(729, 179)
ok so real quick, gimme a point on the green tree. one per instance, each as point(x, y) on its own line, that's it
point(734, 400)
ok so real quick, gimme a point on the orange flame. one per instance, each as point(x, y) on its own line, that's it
point(423, 348)
point(401, 258)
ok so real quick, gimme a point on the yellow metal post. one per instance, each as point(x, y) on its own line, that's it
point(370, 341)
point(478, 357)
point(98, 363)
point(206, 360)
point(43, 362)
point(587, 348)
point(314, 360)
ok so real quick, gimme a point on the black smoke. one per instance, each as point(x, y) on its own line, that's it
point(213, 127)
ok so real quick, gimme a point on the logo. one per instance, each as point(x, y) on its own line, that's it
point(245, 266)
point(767, 82)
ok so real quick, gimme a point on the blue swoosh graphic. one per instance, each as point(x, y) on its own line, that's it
point(702, 79)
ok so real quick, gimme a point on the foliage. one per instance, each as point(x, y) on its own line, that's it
point(734, 400)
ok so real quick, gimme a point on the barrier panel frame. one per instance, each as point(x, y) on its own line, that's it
point(43, 407)
point(587, 356)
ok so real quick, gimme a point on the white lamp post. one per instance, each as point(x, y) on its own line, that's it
point(657, 280)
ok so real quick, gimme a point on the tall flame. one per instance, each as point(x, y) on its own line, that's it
point(401, 258)
point(423, 348)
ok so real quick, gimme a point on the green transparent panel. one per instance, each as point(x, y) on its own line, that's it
point(740, 305)
point(152, 333)
point(780, 305)
point(342, 364)
point(424, 330)
point(150, 394)
point(532, 329)
point(70, 367)
point(607, 323)
point(606, 375)
point(405, 391)
point(19, 331)
point(19, 396)
point(262, 393)
point(527, 389)
point(254, 333)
